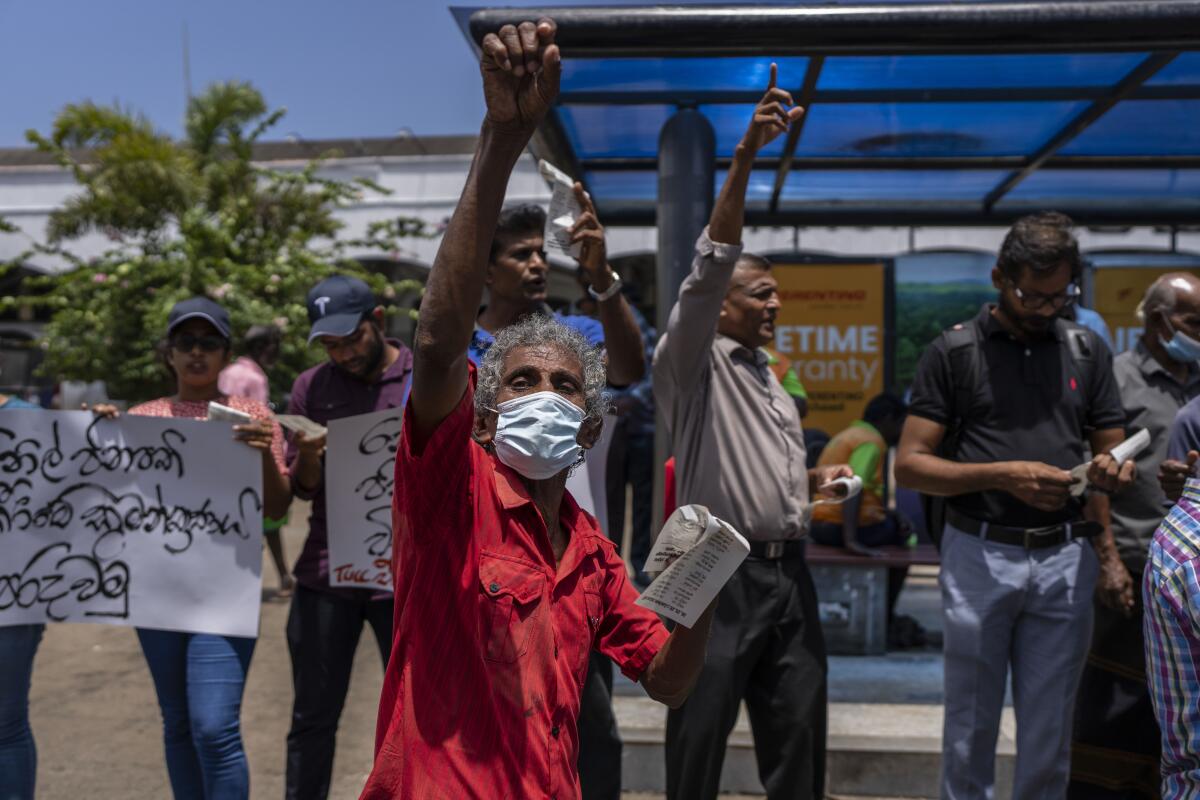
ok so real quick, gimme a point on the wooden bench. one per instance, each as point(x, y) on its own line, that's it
point(852, 593)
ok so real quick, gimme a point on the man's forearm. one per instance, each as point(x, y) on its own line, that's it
point(936, 476)
point(456, 281)
point(306, 472)
point(673, 673)
point(1099, 509)
point(725, 224)
point(623, 341)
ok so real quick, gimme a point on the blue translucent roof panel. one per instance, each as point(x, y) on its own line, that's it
point(1142, 127)
point(623, 185)
point(1184, 70)
point(886, 185)
point(608, 131)
point(932, 129)
point(678, 74)
point(974, 72)
point(729, 124)
point(1048, 187)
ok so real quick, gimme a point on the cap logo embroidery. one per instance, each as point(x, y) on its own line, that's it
point(320, 304)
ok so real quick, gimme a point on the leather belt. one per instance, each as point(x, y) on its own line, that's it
point(777, 549)
point(1029, 538)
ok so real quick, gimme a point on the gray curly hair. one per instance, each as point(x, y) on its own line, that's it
point(535, 330)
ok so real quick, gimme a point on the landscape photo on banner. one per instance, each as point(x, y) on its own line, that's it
point(834, 326)
point(360, 466)
point(145, 521)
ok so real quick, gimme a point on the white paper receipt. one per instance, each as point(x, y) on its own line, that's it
point(564, 210)
point(299, 424)
point(703, 552)
point(1121, 453)
point(220, 413)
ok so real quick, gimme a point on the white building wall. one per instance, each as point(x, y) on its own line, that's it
point(427, 187)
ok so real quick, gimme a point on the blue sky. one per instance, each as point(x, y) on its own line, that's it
point(348, 68)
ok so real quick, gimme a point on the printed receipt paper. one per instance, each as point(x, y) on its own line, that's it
point(706, 551)
point(564, 210)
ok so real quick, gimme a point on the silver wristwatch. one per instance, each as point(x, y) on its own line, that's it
point(610, 291)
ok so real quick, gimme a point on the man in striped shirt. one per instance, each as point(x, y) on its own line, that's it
point(1171, 592)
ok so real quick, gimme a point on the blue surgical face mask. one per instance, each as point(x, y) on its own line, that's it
point(1181, 347)
point(536, 434)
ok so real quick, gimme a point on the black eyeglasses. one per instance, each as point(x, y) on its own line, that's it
point(1034, 301)
point(185, 343)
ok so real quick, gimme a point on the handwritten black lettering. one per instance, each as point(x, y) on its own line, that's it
point(95, 456)
point(56, 577)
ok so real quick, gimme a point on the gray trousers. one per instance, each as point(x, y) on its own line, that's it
point(1032, 609)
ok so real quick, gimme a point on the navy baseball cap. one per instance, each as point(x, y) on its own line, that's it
point(337, 304)
point(199, 308)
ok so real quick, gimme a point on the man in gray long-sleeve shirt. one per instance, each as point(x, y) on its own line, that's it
point(740, 452)
point(1115, 744)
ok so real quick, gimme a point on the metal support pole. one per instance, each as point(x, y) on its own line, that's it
point(687, 150)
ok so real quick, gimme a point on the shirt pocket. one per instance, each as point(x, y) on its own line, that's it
point(511, 604)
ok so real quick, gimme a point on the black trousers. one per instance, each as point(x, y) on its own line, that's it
point(599, 740)
point(767, 648)
point(631, 462)
point(1116, 743)
point(322, 633)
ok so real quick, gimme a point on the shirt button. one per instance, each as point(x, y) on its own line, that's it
point(494, 587)
point(554, 731)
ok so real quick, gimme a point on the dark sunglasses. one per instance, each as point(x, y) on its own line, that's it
point(185, 343)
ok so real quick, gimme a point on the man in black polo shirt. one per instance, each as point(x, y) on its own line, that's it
point(1003, 407)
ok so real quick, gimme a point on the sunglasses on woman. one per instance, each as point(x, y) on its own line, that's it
point(186, 342)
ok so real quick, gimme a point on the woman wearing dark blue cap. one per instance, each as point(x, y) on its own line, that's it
point(199, 678)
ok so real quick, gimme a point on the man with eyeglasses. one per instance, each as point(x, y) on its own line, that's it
point(365, 372)
point(1003, 406)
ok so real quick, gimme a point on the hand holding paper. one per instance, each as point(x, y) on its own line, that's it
point(1122, 453)
point(696, 554)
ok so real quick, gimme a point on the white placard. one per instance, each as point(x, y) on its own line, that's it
point(589, 485)
point(360, 466)
point(146, 521)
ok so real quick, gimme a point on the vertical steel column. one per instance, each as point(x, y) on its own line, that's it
point(687, 152)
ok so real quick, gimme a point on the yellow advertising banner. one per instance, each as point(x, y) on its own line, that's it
point(832, 326)
point(1116, 292)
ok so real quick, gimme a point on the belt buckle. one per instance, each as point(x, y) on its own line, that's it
point(774, 550)
point(1029, 536)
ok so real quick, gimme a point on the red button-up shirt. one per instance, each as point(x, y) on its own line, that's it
point(492, 637)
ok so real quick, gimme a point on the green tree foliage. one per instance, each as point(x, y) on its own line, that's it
point(187, 218)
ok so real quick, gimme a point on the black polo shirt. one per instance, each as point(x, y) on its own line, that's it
point(1029, 403)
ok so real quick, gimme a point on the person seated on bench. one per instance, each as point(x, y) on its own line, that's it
point(864, 523)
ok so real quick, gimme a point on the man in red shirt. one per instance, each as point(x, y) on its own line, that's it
point(503, 585)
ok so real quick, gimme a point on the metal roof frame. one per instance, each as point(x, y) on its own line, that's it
point(1160, 28)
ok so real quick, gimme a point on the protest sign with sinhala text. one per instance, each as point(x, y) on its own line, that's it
point(145, 521)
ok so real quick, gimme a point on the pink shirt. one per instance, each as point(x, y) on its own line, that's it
point(166, 407)
point(245, 378)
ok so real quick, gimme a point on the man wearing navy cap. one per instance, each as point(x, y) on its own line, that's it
point(365, 372)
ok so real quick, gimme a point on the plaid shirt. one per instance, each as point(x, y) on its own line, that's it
point(1171, 589)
